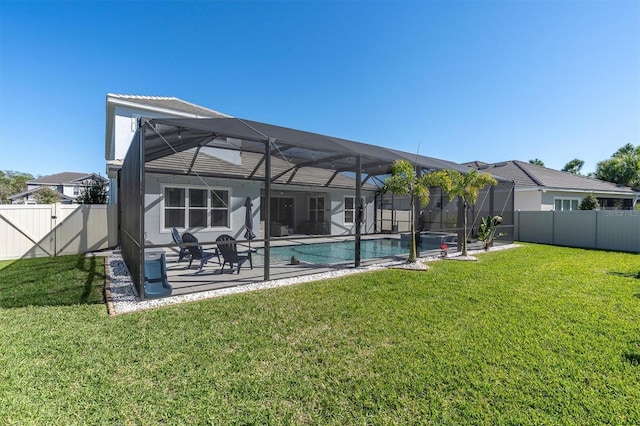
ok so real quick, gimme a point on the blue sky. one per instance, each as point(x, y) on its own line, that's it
point(466, 80)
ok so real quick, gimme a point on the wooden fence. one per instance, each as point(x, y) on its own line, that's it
point(53, 229)
point(617, 230)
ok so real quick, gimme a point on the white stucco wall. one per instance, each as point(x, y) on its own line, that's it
point(124, 127)
point(68, 190)
point(334, 206)
point(549, 197)
point(239, 190)
point(338, 226)
point(529, 200)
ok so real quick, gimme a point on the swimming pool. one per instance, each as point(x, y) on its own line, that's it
point(335, 252)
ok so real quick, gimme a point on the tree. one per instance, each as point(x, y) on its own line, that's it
point(12, 183)
point(464, 186)
point(537, 162)
point(93, 192)
point(574, 166)
point(46, 195)
point(405, 181)
point(589, 202)
point(622, 168)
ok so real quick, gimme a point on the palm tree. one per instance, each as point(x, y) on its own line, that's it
point(466, 186)
point(405, 181)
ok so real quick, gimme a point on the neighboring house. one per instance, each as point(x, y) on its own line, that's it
point(68, 184)
point(540, 188)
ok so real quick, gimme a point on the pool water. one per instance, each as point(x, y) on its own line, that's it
point(336, 252)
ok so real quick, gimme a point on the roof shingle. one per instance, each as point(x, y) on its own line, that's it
point(527, 175)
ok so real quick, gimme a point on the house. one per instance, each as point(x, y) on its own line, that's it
point(198, 198)
point(68, 184)
point(123, 113)
point(203, 171)
point(540, 188)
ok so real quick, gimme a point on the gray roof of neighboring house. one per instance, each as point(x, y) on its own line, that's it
point(32, 191)
point(64, 177)
point(527, 175)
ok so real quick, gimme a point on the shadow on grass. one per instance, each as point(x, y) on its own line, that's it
point(52, 281)
point(633, 274)
point(633, 359)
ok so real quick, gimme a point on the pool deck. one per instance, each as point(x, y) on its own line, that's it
point(191, 285)
point(185, 280)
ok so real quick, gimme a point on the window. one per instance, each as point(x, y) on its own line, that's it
point(316, 209)
point(566, 204)
point(198, 208)
point(174, 207)
point(220, 208)
point(76, 191)
point(195, 208)
point(349, 209)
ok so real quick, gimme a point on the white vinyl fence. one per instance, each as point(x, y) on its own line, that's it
point(43, 230)
point(617, 230)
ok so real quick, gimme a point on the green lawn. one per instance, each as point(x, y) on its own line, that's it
point(533, 335)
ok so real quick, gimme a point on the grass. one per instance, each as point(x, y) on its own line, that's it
point(534, 335)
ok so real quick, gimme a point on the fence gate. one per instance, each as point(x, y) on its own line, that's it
point(43, 230)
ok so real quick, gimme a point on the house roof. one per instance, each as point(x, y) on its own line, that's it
point(169, 104)
point(25, 194)
point(252, 167)
point(64, 177)
point(527, 175)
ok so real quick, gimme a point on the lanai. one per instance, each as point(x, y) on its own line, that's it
point(181, 147)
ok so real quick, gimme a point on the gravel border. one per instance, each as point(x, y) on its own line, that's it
point(121, 297)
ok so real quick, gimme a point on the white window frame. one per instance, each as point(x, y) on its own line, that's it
point(355, 209)
point(209, 206)
point(345, 210)
point(562, 199)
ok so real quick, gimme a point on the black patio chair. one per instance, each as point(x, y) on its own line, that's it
point(229, 249)
point(197, 253)
point(178, 240)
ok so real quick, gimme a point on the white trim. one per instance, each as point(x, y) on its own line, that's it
point(344, 210)
point(209, 207)
point(578, 199)
point(355, 209)
point(630, 193)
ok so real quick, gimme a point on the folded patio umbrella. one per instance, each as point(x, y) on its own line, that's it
point(248, 220)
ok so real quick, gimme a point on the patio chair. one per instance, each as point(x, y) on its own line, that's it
point(197, 253)
point(156, 283)
point(229, 249)
point(178, 240)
